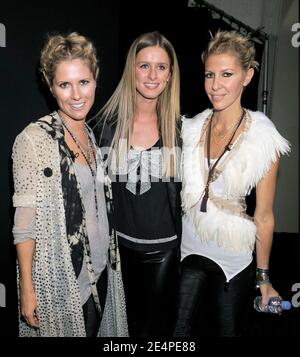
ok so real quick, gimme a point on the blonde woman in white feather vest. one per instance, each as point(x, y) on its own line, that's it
point(227, 151)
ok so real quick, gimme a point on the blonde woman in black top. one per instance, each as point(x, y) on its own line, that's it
point(138, 139)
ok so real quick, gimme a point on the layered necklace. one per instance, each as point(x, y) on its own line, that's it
point(88, 155)
point(211, 168)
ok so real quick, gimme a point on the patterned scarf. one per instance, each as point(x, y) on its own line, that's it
point(74, 210)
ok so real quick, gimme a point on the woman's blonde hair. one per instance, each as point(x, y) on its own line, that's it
point(59, 48)
point(121, 105)
point(234, 43)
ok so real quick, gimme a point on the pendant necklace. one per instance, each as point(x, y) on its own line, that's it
point(89, 156)
point(211, 168)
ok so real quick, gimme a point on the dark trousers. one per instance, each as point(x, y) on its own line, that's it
point(150, 282)
point(207, 305)
point(91, 315)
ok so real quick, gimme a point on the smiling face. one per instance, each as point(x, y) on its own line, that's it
point(224, 81)
point(74, 88)
point(152, 72)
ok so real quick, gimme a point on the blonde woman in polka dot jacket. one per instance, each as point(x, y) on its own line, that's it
point(61, 228)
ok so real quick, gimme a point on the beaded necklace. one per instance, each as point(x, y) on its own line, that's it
point(87, 157)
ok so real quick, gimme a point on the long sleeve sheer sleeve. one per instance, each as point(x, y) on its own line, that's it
point(24, 224)
point(24, 198)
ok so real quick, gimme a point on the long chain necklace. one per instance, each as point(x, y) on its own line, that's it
point(218, 138)
point(88, 157)
point(211, 168)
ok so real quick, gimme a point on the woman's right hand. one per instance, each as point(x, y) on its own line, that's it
point(29, 307)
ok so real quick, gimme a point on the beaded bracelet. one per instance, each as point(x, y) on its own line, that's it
point(262, 277)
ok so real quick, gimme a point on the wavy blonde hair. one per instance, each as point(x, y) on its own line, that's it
point(59, 48)
point(121, 105)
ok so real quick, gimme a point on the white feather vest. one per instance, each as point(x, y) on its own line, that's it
point(244, 166)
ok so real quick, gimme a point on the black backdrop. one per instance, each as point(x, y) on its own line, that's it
point(112, 25)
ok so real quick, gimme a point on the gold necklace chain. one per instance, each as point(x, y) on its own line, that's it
point(224, 135)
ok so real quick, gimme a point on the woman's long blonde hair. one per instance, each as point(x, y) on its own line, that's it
point(121, 105)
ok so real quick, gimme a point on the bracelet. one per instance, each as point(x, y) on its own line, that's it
point(262, 277)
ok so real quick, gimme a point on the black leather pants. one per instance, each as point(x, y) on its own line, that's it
point(150, 282)
point(207, 305)
point(90, 314)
